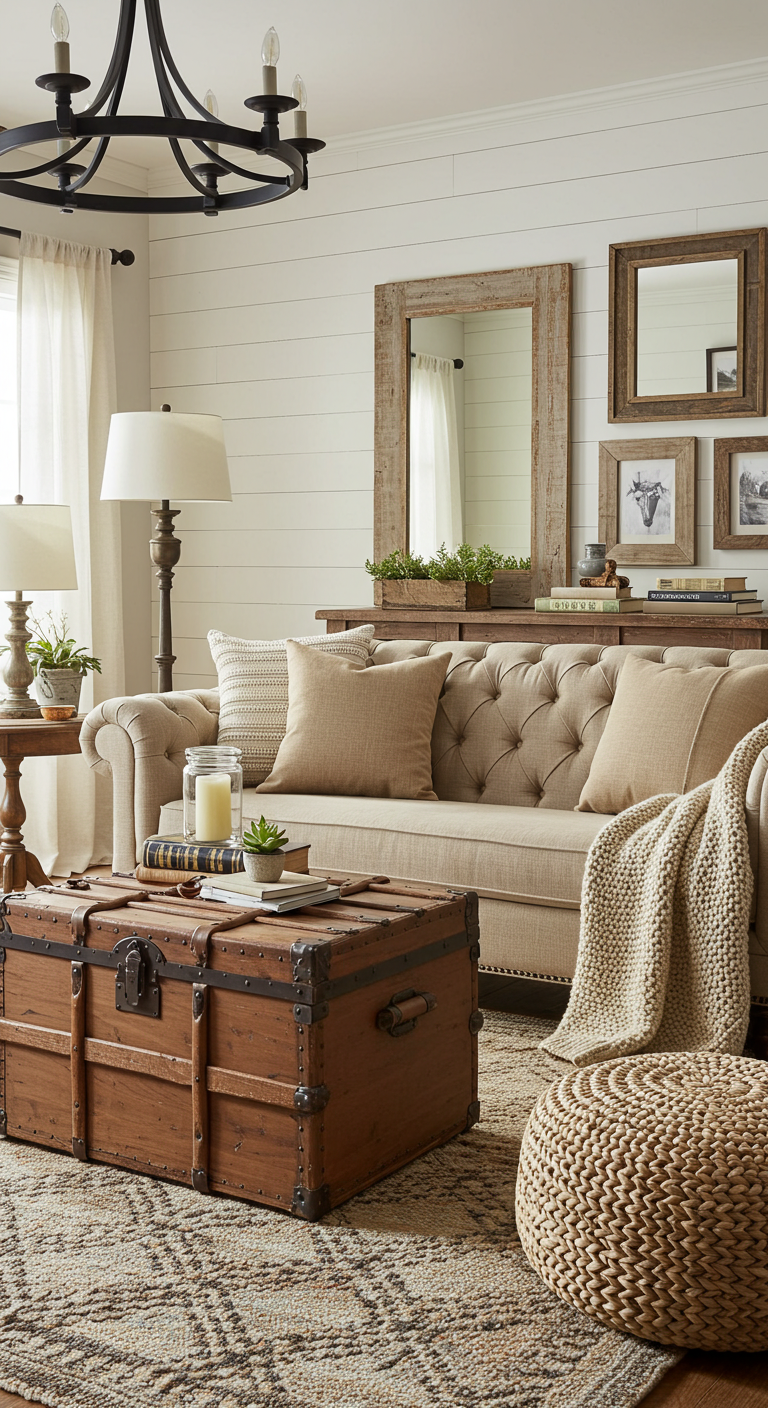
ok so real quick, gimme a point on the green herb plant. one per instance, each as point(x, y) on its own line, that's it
point(263, 837)
point(398, 567)
point(465, 564)
point(52, 649)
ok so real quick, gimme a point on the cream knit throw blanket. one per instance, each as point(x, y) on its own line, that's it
point(663, 949)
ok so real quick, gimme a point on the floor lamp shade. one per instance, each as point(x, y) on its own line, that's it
point(36, 549)
point(155, 455)
point(166, 455)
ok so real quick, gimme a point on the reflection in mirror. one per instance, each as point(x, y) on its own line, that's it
point(470, 431)
point(687, 324)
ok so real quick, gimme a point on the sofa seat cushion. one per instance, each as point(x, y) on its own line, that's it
point(534, 856)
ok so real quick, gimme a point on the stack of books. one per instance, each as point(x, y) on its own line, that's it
point(703, 596)
point(287, 893)
point(605, 599)
point(168, 860)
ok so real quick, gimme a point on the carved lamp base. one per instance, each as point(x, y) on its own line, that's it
point(17, 671)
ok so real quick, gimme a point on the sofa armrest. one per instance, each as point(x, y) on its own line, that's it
point(140, 743)
point(757, 828)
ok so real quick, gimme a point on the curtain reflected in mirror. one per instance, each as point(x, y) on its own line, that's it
point(470, 431)
point(435, 486)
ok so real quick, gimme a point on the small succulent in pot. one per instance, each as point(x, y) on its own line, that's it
point(262, 856)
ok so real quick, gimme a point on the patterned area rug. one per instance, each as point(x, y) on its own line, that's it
point(123, 1292)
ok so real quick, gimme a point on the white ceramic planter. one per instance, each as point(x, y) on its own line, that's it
point(58, 689)
point(263, 869)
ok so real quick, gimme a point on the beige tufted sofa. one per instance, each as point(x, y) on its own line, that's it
point(515, 733)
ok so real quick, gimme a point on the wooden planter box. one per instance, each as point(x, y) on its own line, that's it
point(510, 590)
point(442, 596)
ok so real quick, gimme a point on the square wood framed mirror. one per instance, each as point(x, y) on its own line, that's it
point(511, 329)
point(687, 327)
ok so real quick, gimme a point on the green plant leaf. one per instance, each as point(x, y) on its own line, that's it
point(263, 837)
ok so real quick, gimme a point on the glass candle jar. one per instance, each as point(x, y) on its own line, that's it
point(213, 795)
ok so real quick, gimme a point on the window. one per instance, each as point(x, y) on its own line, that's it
point(9, 448)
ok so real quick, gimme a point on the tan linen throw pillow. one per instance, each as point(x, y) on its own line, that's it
point(253, 685)
point(354, 732)
point(671, 729)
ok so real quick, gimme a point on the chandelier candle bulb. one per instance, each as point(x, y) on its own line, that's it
point(213, 807)
point(270, 53)
point(299, 92)
point(212, 106)
point(60, 32)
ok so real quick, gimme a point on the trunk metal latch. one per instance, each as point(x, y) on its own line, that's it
point(137, 985)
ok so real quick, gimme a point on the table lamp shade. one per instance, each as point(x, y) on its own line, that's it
point(166, 455)
point(36, 549)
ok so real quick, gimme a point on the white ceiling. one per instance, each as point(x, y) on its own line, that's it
point(385, 62)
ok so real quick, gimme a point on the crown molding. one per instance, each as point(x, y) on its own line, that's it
point(112, 169)
point(670, 86)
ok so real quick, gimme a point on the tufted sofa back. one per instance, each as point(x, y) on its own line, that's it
point(518, 723)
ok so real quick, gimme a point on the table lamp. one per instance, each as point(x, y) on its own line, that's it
point(36, 549)
point(165, 455)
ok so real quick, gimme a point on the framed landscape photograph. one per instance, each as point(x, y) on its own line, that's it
point(741, 493)
point(722, 369)
point(646, 500)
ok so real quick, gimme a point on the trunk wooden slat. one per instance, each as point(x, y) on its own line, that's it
point(137, 1030)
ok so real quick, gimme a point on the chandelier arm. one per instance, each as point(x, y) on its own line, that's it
point(152, 8)
point(171, 105)
point(46, 167)
point(114, 78)
point(219, 160)
point(186, 169)
point(93, 166)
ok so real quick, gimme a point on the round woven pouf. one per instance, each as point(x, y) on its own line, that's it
point(642, 1197)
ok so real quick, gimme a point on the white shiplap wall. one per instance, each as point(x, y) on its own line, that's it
point(267, 318)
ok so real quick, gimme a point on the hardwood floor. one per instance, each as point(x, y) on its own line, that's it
point(699, 1380)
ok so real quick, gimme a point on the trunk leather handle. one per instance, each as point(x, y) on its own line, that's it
point(404, 1010)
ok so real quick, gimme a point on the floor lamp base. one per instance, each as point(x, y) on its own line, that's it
point(165, 551)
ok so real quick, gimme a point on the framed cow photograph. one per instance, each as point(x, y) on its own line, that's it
point(646, 500)
point(741, 493)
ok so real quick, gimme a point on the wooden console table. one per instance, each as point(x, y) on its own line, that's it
point(634, 628)
point(20, 739)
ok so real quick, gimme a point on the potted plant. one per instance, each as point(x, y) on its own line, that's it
point(262, 856)
point(454, 581)
point(60, 666)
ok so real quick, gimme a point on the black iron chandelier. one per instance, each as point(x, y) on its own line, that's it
point(74, 132)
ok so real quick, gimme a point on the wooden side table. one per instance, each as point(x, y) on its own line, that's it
point(20, 739)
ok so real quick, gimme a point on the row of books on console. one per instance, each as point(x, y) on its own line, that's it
point(674, 596)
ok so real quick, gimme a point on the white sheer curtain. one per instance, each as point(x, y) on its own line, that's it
point(66, 375)
point(435, 498)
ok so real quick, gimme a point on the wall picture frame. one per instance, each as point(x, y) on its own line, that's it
point(626, 263)
point(722, 369)
point(647, 500)
point(740, 518)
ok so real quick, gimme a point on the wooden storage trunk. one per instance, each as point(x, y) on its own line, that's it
point(291, 1061)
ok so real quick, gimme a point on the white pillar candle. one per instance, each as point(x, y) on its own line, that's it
point(213, 807)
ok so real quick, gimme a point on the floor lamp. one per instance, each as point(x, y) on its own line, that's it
point(166, 455)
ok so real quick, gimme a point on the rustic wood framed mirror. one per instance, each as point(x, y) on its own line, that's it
point(687, 327)
point(509, 483)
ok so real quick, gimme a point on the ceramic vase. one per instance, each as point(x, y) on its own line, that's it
point(593, 562)
point(58, 692)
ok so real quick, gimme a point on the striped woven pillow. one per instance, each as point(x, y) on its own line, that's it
point(253, 684)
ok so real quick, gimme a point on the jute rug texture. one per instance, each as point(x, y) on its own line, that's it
point(119, 1291)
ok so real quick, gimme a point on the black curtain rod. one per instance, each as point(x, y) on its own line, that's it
point(119, 256)
point(457, 362)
